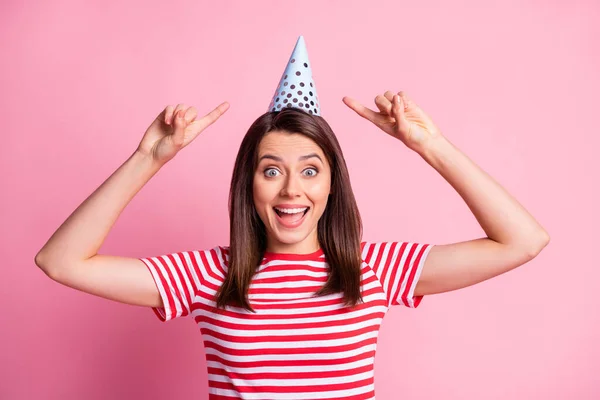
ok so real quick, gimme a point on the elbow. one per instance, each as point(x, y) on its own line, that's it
point(39, 261)
point(42, 264)
point(538, 243)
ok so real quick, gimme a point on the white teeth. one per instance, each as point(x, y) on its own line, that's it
point(291, 210)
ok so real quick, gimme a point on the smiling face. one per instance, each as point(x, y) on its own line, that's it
point(291, 186)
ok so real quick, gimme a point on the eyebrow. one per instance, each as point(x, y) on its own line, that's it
point(301, 158)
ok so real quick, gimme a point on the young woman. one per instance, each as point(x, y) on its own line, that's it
point(292, 307)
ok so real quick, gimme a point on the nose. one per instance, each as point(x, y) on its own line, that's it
point(291, 187)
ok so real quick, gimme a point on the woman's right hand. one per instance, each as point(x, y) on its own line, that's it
point(175, 128)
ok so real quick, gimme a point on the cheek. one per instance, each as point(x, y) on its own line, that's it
point(320, 192)
point(262, 193)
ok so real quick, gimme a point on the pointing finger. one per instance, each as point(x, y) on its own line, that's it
point(360, 109)
point(210, 118)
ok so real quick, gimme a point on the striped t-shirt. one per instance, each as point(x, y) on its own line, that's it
point(295, 346)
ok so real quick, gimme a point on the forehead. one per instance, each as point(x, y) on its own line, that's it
point(288, 145)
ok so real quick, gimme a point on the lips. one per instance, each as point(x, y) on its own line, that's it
point(281, 214)
point(291, 220)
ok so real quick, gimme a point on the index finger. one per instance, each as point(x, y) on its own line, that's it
point(211, 117)
point(361, 110)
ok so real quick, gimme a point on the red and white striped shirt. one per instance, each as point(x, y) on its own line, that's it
point(295, 346)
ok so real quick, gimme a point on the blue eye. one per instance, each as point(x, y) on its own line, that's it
point(312, 169)
point(273, 172)
point(270, 175)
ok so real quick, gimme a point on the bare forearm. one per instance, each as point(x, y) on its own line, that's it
point(502, 217)
point(82, 234)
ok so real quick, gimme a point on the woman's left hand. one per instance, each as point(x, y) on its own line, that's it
point(399, 117)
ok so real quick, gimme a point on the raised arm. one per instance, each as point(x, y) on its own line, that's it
point(71, 257)
point(513, 236)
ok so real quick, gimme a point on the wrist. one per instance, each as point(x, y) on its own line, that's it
point(434, 149)
point(146, 160)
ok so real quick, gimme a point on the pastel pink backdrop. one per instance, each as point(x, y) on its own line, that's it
point(513, 84)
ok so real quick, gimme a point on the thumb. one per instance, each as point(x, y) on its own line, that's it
point(179, 125)
point(402, 124)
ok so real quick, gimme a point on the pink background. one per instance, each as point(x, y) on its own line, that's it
point(513, 84)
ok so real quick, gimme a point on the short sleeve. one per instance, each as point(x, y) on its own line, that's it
point(179, 276)
point(398, 267)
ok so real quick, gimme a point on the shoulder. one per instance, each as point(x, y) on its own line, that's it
point(212, 260)
point(374, 253)
point(367, 248)
point(218, 253)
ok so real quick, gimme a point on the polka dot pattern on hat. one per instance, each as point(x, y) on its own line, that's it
point(296, 87)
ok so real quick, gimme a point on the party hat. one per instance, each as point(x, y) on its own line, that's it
point(296, 87)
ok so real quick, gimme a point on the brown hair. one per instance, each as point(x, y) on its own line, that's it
point(339, 228)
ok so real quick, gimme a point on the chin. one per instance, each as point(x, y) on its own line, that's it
point(290, 238)
point(286, 235)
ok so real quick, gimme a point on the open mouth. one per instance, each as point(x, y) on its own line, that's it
point(291, 219)
point(285, 214)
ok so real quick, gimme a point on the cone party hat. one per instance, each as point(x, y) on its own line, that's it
point(296, 88)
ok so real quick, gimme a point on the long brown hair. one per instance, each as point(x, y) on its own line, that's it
point(339, 228)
